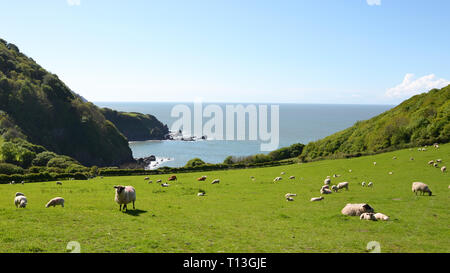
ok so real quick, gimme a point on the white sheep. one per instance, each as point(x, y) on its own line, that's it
point(289, 199)
point(325, 191)
point(124, 196)
point(291, 177)
point(342, 185)
point(421, 187)
point(150, 181)
point(370, 184)
point(374, 163)
point(443, 169)
point(381, 216)
point(368, 216)
point(327, 181)
point(431, 162)
point(390, 173)
point(287, 195)
point(394, 157)
point(436, 165)
point(282, 173)
point(55, 202)
point(147, 178)
point(363, 184)
point(317, 199)
point(350, 171)
point(59, 183)
point(277, 179)
point(356, 209)
point(439, 160)
point(215, 181)
point(20, 201)
point(158, 181)
point(165, 185)
point(201, 194)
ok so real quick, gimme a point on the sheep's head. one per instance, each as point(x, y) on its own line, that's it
point(119, 189)
point(367, 208)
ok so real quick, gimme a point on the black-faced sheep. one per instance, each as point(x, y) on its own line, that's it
point(20, 201)
point(421, 187)
point(356, 209)
point(57, 201)
point(368, 216)
point(124, 196)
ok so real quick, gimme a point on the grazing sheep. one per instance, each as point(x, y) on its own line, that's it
point(215, 181)
point(290, 195)
point(438, 160)
point(327, 181)
point(325, 191)
point(435, 165)
point(19, 194)
point(342, 185)
point(201, 194)
point(431, 162)
point(374, 163)
point(20, 201)
point(421, 187)
point(158, 181)
point(172, 178)
point(368, 216)
point(289, 199)
point(165, 185)
point(336, 175)
point(443, 169)
point(394, 157)
point(370, 184)
point(356, 209)
point(277, 179)
point(150, 181)
point(23, 182)
point(334, 188)
point(316, 199)
point(58, 183)
point(124, 196)
point(147, 178)
point(326, 187)
point(424, 149)
point(292, 177)
point(363, 184)
point(55, 202)
point(381, 216)
point(282, 173)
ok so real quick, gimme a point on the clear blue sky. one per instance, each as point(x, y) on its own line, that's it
point(336, 51)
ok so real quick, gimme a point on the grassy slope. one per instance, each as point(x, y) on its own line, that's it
point(240, 215)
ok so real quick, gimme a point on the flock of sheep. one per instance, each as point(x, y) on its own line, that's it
point(125, 195)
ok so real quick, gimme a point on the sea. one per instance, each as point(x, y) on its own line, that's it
point(298, 123)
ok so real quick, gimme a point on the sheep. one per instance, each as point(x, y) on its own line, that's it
point(350, 171)
point(55, 202)
point(277, 179)
point(203, 178)
point(282, 173)
point(334, 188)
point(394, 157)
point(363, 184)
point(390, 173)
point(19, 194)
point(443, 169)
point(356, 209)
point(342, 185)
point(13, 182)
point(326, 187)
point(336, 175)
point(431, 162)
point(325, 191)
point(435, 165)
point(368, 216)
point(381, 216)
point(23, 182)
point(327, 181)
point(374, 163)
point(252, 177)
point(147, 178)
point(438, 160)
point(158, 181)
point(150, 181)
point(20, 201)
point(201, 194)
point(317, 199)
point(291, 177)
point(411, 158)
point(59, 183)
point(287, 195)
point(421, 187)
point(289, 199)
point(124, 196)
point(165, 185)
point(172, 178)
point(215, 181)
point(370, 184)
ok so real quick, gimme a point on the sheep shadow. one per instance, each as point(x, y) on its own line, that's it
point(134, 212)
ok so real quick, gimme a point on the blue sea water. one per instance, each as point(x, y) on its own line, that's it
point(298, 123)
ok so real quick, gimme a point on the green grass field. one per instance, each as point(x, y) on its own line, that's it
point(240, 215)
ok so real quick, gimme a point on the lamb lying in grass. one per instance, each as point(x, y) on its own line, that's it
point(125, 195)
point(381, 216)
point(57, 201)
point(317, 199)
point(368, 216)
